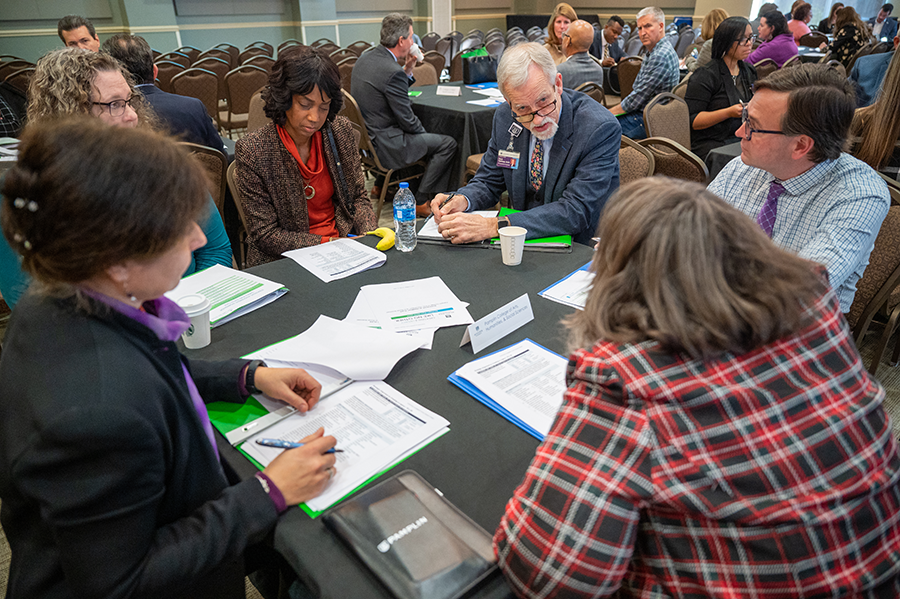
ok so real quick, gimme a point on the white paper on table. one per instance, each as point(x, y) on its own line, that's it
point(375, 426)
point(429, 229)
point(232, 293)
point(354, 350)
point(524, 378)
point(337, 259)
point(486, 102)
point(447, 90)
point(416, 304)
point(361, 313)
point(571, 291)
point(491, 92)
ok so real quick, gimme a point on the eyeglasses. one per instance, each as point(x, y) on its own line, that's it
point(746, 40)
point(543, 111)
point(748, 130)
point(117, 107)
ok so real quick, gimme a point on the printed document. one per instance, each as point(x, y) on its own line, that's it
point(573, 289)
point(361, 313)
point(375, 425)
point(414, 305)
point(337, 259)
point(525, 380)
point(232, 293)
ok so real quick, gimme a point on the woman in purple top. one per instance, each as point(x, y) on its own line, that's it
point(779, 44)
point(109, 472)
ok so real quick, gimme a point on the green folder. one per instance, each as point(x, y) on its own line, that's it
point(555, 242)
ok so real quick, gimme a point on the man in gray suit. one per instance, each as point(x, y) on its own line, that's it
point(554, 150)
point(380, 86)
point(579, 66)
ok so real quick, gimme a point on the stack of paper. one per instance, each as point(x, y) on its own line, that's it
point(232, 293)
point(337, 259)
point(559, 243)
point(524, 383)
point(413, 305)
point(573, 289)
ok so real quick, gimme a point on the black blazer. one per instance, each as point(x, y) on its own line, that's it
point(712, 88)
point(110, 486)
point(186, 118)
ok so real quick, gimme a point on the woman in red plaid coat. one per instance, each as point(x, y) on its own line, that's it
point(719, 436)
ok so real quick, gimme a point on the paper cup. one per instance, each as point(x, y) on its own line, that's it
point(197, 308)
point(512, 244)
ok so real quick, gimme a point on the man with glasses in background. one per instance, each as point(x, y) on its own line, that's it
point(555, 151)
point(794, 179)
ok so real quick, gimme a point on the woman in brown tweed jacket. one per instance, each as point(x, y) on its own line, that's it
point(300, 177)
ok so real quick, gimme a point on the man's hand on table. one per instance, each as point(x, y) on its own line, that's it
point(460, 227)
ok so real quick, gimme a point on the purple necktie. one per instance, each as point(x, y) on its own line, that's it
point(766, 218)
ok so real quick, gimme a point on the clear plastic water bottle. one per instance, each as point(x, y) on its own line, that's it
point(405, 219)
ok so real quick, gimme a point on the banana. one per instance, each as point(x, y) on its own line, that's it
point(387, 238)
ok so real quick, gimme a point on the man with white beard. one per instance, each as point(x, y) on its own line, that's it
point(554, 150)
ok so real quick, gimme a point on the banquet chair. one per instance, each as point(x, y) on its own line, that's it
point(793, 61)
point(200, 84)
point(667, 115)
point(346, 71)
point(20, 79)
point(252, 51)
point(765, 67)
point(424, 75)
point(239, 204)
point(342, 53)
point(429, 40)
point(361, 46)
point(167, 70)
point(178, 57)
point(878, 289)
point(215, 163)
point(435, 59)
point(672, 159)
point(256, 114)
point(219, 67)
point(219, 53)
point(264, 45)
point(233, 51)
point(263, 62)
point(189, 51)
point(594, 90)
point(681, 89)
point(635, 161)
point(369, 157)
point(241, 84)
point(628, 70)
point(813, 39)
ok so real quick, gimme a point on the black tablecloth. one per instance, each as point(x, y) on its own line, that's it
point(468, 124)
point(482, 459)
point(717, 158)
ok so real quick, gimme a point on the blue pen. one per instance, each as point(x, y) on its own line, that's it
point(288, 444)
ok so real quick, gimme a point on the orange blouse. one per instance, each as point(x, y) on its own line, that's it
point(319, 189)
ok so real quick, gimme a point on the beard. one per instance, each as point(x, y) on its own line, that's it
point(550, 132)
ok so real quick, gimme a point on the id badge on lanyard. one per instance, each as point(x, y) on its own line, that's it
point(507, 158)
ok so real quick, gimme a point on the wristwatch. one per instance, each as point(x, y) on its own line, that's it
point(250, 376)
point(502, 222)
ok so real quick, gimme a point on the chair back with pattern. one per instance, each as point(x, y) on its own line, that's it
point(11, 66)
point(765, 67)
point(882, 48)
point(239, 204)
point(813, 39)
point(672, 159)
point(321, 42)
point(633, 46)
point(469, 43)
point(429, 41)
point(635, 161)
point(444, 47)
point(288, 43)
point(178, 57)
point(628, 71)
point(668, 116)
point(167, 70)
point(220, 53)
point(681, 89)
point(250, 52)
point(270, 50)
point(256, 115)
point(241, 84)
point(435, 59)
point(456, 68)
point(685, 39)
point(215, 164)
point(359, 47)
point(233, 51)
point(346, 71)
point(594, 90)
point(893, 184)
point(793, 61)
point(865, 50)
point(20, 79)
point(342, 53)
point(200, 84)
point(218, 66)
point(424, 75)
point(495, 47)
point(189, 51)
point(263, 62)
point(837, 66)
point(327, 48)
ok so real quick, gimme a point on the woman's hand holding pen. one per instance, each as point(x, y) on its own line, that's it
point(293, 386)
point(302, 473)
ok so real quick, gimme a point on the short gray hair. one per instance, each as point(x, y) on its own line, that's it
point(654, 11)
point(512, 72)
point(393, 27)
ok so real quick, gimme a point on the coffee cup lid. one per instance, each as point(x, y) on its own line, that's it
point(194, 303)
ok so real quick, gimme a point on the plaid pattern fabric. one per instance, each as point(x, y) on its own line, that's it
point(659, 73)
point(769, 210)
point(770, 474)
point(830, 214)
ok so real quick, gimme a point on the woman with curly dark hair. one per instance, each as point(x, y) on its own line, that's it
point(300, 178)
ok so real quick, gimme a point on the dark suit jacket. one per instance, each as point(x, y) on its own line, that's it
point(186, 118)
point(578, 69)
point(711, 88)
point(110, 485)
point(615, 52)
point(582, 173)
point(867, 75)
point(889, 30)
point(380, 87)
point(272, 191)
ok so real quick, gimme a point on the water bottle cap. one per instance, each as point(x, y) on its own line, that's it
point(404, 185)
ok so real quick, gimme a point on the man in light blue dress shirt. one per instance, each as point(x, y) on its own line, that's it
point(793, 178)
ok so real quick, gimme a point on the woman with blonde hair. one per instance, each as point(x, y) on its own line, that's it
point(562, 15)
point(73, 81)
point(719, 435)
point(852, 34)
point(708, 27)
point(878, 126)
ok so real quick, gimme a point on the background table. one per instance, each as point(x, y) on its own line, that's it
point(469, 124)
point(478, 464)
point(717, 158)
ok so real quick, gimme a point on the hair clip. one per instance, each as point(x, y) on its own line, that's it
point(19, 202)
point(32, 206)
point(26, 244)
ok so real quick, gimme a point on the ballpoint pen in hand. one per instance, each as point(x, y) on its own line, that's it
point(288, 444)
point(444, 203)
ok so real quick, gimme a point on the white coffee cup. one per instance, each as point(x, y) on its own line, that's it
point(197, 308)
point(417, 52)
point(512, 245)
